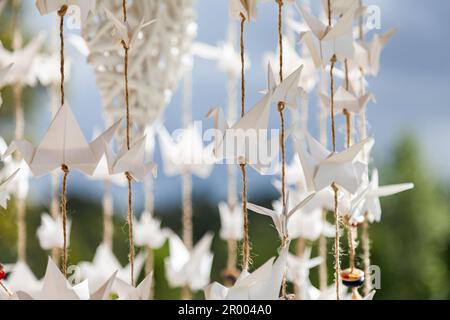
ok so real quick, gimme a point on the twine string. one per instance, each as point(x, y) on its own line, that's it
point(130, 225)
point(337, 266)
point(246, 240)
point(323, 268)
point(281, 105)
point(333, 125)
point(61, 13)
point(128, 176)
point(366, 256)
point(65, 170)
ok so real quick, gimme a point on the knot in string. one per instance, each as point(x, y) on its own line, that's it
point(63, 10)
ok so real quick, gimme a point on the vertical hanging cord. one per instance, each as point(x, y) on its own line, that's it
point(62, 12)
point(365, 242)
point(334, 186)
point(128, 139)
point(366, 255)
point(323, 268)
point(246, 240)
point(19, 133)
point(281, 106)
point(64, 168)
point(231, 169)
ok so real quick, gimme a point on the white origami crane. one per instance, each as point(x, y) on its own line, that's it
point(245, 140)
point(50, 233)
point(56, 287)
point(231, 222)
point(325, 42)
point(322, 167)
point(288, 90)
point(186, 154)
point(3, 73)
point(22, 61)
point(4, 190)
point(184, 268)
point(228, 60)
point(123, 32)
point(367, 56)
point(298, 273)
point(104, 264)
point(244, 7)
point(375, 192)
point(347, 100)
point(308, 223)
point(63, 144)
point(281, 218)
point(19, 186)
point(130, 160)
point(48, 6)
point(128, 292)
point(148, 232)
point(262, 284)
point(21, 278)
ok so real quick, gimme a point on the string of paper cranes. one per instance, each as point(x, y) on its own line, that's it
point(141, 52)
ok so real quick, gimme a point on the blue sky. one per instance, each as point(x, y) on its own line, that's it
point(412, 89)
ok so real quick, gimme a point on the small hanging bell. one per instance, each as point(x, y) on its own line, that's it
point(352, 278)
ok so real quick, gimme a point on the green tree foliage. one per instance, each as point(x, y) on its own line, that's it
point(411, 243)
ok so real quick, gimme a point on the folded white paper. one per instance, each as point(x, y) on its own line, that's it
point(48, 6)
point(262, 284)
point(64, 143)
point(323, 167)
point(50, 232)
point(324, 42)
point(184, 268)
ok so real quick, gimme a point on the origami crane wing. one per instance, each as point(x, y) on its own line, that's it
point(324, 42)
point(48, 6)
point(287, 91)
point(270, 288)
point(4, 193)
point(342, 168)
point(376, 47)
point(132, 160)
point(276, 217)
point(245, 7)
point(390, 190)
point(4, 72)
point(55, 286)
point(303, 203)
point(104, 291)
point(215, 291)
point(127, 292)
point(351, 153)
point(308, 162)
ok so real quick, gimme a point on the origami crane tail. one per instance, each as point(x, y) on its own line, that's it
point(104, 291)
point(26, 149)
point(98, 145)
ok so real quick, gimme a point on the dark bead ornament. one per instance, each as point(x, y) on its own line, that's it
point(352, 278)
point(230, 276)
